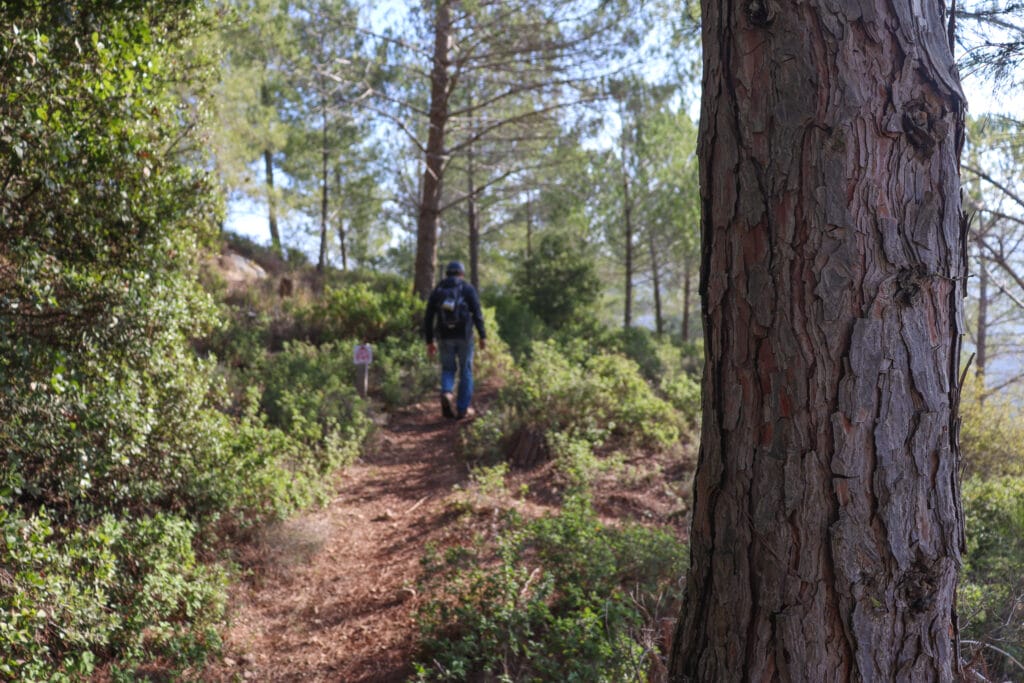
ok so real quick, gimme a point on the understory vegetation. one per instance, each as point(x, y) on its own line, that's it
point(565, 596)
point(157, 409)
point(991, 598)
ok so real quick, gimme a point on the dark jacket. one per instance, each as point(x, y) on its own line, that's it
point(475, 319)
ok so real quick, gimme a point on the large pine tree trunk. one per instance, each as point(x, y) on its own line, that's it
point(430, 199)
point(827, 529)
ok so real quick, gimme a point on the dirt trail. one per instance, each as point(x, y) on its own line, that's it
point(332, 593)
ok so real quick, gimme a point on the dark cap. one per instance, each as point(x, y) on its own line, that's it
point(455, 268)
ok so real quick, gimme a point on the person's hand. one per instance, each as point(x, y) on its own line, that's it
point(431, 350)
point(483, 343)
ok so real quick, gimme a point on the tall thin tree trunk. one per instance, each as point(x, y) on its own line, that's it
point(275, 235)
point(827, 529)
point(659, 326)
point(268, 165)
point(687, 284)
point(981, 350)
point(342, 236)
point(529, 224)
point(474, 224)
point(627, 314)
point(627, 219)
point(430, 199)
point(324, 179)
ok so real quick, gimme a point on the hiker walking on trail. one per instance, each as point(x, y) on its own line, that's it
point(453, 310)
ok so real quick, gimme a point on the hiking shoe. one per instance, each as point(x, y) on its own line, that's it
point(468, 413)
point(447, 399)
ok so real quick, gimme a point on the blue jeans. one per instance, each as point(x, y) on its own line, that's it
point(457, 355)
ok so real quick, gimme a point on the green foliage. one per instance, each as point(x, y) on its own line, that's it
point(992, 431)
point(667, 364)
point(557, 282)
point(594, 398)
point(102, 406)
point(120, 451)
point(563, 598)
point(991, 606)
point(402, 371)
point(520, 325)
point(132, 585)
point(653, 355)
point(684, 393)
point(309, 393)
point(361, 311)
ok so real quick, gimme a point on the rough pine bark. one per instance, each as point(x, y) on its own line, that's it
point(827, 529)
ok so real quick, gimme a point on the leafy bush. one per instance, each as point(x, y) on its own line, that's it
point(558, 281)
point(991, 600)
point(117, 456)
point(594, 398)
point(683, 392)
point(495, 365)
point(667, 364)
point(361, 311)
point(309, 393)
point(563, 598)
point(520, 325)
point(132, 586)
point(992, 431)
point(655, 357)
point(402, 371)
point(241, 339)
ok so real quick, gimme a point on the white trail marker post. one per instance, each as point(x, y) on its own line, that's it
point(362, 356)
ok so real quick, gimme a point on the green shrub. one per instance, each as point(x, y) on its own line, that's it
point(519, 324)
point(667, 364)
point(563, 598)
point(129, 586)
point(991, 599)
point(402, 371)
point(558, 282)
point(992, 430)
point(242, 338)
point(654, 356)
point(683, 392)
point(495, 364)
point(593, 398)
point(309, 393)
point(116, 453)
point(361, 312)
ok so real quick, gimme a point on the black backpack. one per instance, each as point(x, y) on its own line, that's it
point(453, 310)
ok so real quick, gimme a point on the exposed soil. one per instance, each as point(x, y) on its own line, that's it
point(332, 594)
